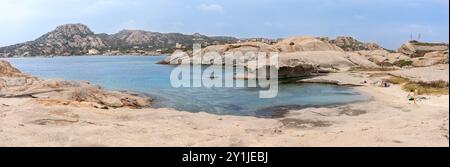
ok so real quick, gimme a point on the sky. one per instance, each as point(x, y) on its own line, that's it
point(387, 22)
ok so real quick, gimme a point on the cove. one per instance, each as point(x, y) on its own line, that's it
point(142, 74)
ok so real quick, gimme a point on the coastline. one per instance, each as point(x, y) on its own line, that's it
point(386, 120)
point(121, 55)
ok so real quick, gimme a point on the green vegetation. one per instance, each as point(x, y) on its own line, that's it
point(373, 69)
point(385, 64)
point(398, 80)
point(424, 88)
point(428, 88)
point(167, 50)
point(382, 74)
point(426, 43)
point(403, 63)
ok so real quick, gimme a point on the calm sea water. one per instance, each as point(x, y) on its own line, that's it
point(142, 74)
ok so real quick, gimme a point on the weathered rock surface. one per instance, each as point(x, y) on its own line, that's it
point(13, 83)
point(299, 44)
point(6, 70)
point(298, 56)
point(323, 61)
point(419, 49)
point(351, 44)
point(432, 58)
point(382, 57)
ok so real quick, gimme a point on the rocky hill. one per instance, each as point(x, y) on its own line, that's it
point(78, 39)
point(64, 40)
point(351, 44)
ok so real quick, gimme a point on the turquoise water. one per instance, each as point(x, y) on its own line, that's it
point(142, 74)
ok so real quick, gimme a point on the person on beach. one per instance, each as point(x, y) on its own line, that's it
point(412, 96)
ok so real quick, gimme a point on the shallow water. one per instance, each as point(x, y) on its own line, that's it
point(142, 74)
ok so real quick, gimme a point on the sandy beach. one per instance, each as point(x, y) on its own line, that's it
point(388, 119)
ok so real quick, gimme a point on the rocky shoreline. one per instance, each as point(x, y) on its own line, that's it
point(39, 112)
point(15, 84)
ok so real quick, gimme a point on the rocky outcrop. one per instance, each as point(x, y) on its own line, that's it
point(13, 83)
point(301, 44)
point(6, 70)
point(323, 61)
point(430, 59)
point(290, 45)
point(298, 56)
point(351, 44)
point(419, 49)
point(254, 47)
point(382, 57)
point(78, 39)
point(220, 51)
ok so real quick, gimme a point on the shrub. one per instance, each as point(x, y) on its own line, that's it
point(373, 69)
point(398, 80)
point(424, 88)
point(429, 88)
point(167, 50)
point(403, 63)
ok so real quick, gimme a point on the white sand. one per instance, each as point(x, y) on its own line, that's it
point(387, 120)
point(432, 73)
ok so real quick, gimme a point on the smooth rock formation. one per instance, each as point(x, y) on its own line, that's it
point(298, 56)
point(219, 52)
point(15, 84)
point(323, 61)
point(299, 44)
point(419, 49)
point(432, 58)
point(360, 61)
point(382, 57)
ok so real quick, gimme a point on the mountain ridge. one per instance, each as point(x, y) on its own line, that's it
point(79, 39)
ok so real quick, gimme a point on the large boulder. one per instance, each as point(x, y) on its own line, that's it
point(432, 58)
point(301, 44)
point(241, 47)
point(210, 53)
point(176, 58)
point(419, 49)
point(7, 70)
point(383, 57)
point(323, 61)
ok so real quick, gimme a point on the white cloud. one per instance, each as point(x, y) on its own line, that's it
point(212, 8)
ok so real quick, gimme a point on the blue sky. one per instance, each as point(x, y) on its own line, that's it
point(388, 22)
